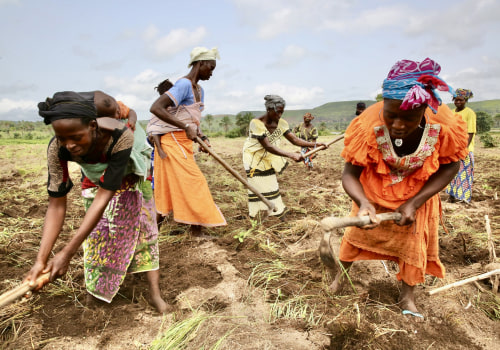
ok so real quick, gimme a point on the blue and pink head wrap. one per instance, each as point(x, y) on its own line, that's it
point(415, 83)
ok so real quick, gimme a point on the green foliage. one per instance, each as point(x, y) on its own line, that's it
point(233, 133)
point(496, 121)
point(487, 140)
point(243, 121)
point(225, 123)
point(209, 119)
point(484, 121)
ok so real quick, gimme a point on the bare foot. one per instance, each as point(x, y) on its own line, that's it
point(407, 302)
point(160, 305)
point(196, 232)
point(341, 278)
point(338, 283)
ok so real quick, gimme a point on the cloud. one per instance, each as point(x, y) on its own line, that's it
point(16, 88)
point(18, 110)
point(272, 18)
point(296, 97)
point(177, 40)
point(444, 35)
point(291, 55)
point(481, 79)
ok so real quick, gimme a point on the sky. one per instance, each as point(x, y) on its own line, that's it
point(310, 52)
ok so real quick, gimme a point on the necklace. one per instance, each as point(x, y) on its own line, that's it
point(398, 142)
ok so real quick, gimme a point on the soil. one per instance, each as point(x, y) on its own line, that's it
point(259, 285)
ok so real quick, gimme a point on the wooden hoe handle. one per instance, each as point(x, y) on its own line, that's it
point(330, 223)
point(17, 292)
point(310, 153)
point(235, 174)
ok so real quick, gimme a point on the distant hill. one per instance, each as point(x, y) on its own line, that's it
point(344, 111)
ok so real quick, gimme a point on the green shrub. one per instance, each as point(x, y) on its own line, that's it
point(487, 140)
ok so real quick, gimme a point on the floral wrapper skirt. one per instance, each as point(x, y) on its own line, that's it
point(124, 240)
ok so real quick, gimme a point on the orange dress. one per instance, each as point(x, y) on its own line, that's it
point(389, 181)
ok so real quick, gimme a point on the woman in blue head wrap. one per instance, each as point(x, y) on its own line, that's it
point(400, 153)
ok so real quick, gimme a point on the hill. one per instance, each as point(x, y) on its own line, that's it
point(344, 111)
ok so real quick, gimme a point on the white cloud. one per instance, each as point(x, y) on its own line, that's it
point(481, 79)
point(296, 97)
point(18, 109)
point(276, 17)
point(177, 40)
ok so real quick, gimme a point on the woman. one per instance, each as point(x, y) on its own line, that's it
point(460, 189)
point(399, 154)
point(179, 184)
point(118, 230)
point(262, 157)
point(306, 131)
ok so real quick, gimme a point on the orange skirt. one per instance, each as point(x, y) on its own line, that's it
point(180, 185)
point(415, 247)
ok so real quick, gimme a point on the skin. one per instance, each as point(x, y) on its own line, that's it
point(108, 107)
point(89, 141)
point(307, 122)
point(270, 120)
point(360, 110)
point(201, 70)
point(401, 124)
point(460, 103)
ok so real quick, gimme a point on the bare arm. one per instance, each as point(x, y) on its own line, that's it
point(53, 224)
point(354, 188)
point(54, 220)
point(132, 119)
point(434, 184)
point(303, 143)
point(159, 109)
point(157, 142)
point(278, 151)
point(471, 136)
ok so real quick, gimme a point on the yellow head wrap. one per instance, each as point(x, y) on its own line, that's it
point(203, 54)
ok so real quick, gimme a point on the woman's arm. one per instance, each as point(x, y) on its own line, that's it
point(54, 220)
point(303, 143)
point(354, 188)
point(157, 142)
point(278, 151)
point(439, 180)
point(59, 264)
point(159, 108)
point(132, 119)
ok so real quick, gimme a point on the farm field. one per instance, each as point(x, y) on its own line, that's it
point(255, 285)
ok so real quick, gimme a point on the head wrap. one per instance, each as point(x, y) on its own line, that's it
point(203, 54)
point(274, 100)
point(308, 116)
point(415, 83)
point(464, 93)
point(67, 104)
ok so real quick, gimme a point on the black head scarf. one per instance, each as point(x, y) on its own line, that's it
point(67, 104)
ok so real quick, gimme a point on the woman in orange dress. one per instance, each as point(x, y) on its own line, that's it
point(180, 186)
point(400, 153)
